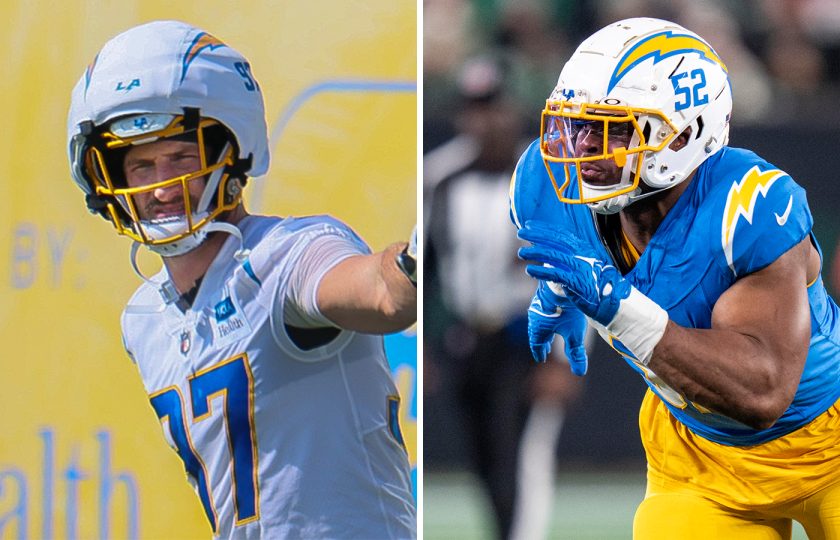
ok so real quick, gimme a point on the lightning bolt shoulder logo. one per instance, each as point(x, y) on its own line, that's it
point(659, 47)
point(741, 203)
point(202, 41)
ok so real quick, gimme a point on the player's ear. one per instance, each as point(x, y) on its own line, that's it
point(681, 140)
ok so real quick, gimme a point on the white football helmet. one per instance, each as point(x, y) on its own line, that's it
point(648, 78)
point(167, 79)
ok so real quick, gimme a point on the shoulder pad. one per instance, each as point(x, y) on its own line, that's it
point(291, 236)
point(532, 194)
point(760, 213)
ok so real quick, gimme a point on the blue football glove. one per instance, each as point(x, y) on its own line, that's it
point(592, 285)
point(551, 314)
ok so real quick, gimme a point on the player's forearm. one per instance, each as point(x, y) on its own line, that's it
point(397, 303)
point(727, 372)
point(370, 294)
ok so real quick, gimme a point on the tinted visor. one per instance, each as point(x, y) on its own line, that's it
point(560, 134)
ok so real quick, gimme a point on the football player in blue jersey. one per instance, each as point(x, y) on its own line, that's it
point(695, 261)
point(259, 342)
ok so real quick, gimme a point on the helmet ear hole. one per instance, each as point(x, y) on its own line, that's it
point(699, 126)
point(681, 140)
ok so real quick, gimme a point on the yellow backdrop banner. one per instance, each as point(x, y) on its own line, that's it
point(81, 451)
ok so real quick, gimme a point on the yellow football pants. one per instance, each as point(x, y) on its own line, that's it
point(681, 516)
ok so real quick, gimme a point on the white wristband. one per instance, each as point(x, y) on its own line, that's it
point(639, 325)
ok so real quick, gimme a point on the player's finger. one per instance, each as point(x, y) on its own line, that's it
point(540, 351)
point(576, 353)
point(545, 238)
point(546, 255)
point(558, 274)
point(540, 335)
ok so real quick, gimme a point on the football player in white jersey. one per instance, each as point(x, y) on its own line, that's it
point(259, 342)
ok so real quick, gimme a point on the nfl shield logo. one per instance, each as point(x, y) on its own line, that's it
point(185, 342)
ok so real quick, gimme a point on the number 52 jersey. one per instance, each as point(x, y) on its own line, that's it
point(278, 441)
point(737, 215)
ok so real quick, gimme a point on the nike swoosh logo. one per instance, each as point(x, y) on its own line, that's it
point(544, 314)
point(538, 309)
point(781, 220)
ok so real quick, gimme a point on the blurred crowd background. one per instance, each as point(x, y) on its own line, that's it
point(490, 411)
point(783, 55)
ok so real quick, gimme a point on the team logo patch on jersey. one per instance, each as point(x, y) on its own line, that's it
point(741, 203)
point(229, 323)
point(224, 309)
point(659, 47)
point(186, 342)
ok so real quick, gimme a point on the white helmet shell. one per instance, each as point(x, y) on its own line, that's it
point(139, 83)
point(163, 67)
point(649, 65)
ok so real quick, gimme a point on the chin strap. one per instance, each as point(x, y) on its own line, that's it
point(241, 254)
point(607, 209)
point(167, 288)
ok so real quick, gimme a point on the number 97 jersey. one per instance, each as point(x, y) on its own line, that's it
point(279, 440)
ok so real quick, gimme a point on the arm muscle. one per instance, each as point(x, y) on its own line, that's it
point(748, 365)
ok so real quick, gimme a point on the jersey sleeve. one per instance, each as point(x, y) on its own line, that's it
point(761, 214)
point(286, 266)
point(316, 244)
point(323, 253)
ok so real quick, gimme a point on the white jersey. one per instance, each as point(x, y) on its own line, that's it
point(279, 442)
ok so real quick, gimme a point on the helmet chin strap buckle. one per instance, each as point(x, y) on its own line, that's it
point(169, 292)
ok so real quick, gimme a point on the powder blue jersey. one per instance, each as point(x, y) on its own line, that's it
point(738, 215)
